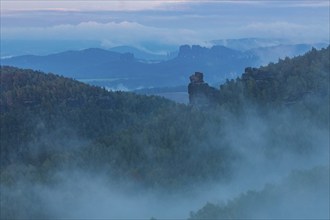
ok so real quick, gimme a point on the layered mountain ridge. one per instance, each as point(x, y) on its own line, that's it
point(128, 71)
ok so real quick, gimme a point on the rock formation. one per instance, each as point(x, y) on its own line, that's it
point(200, 93)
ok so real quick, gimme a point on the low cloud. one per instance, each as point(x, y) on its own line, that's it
point(294, 31)
point(114, 23)
point(112, 34)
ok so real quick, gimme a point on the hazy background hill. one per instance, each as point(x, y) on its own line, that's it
point(127, 68)
point(146, 55)
point(244, 44)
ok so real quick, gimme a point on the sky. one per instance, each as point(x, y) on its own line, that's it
point(138, 23)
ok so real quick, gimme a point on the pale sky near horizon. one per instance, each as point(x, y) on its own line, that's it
point(114, 22)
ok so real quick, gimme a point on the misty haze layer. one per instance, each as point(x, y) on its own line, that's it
point(70, 191)
point(70, 150)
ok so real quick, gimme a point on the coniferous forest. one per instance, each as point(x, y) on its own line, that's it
point(270, 125)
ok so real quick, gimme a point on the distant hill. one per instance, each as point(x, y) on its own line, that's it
point(149, 57)
point(72, 63)
point(219, 62)
point(268, 50)
point(15, 47)
point(274, 53)
point(114, 69)
point(244, 44)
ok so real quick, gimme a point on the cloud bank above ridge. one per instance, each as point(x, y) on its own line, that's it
point(134, 23)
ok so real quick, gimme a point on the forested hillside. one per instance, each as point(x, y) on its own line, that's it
point(301, 195)
point(301, 82)
point(297, 90)
point(124, 131)
point(269, 121)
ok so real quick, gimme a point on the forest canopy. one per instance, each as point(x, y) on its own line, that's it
point(50, 123)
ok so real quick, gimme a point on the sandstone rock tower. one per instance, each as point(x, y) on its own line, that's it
point(200, 93)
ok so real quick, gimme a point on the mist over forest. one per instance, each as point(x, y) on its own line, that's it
point(256, 147)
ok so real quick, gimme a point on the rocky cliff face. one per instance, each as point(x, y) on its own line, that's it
point(200, 93)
